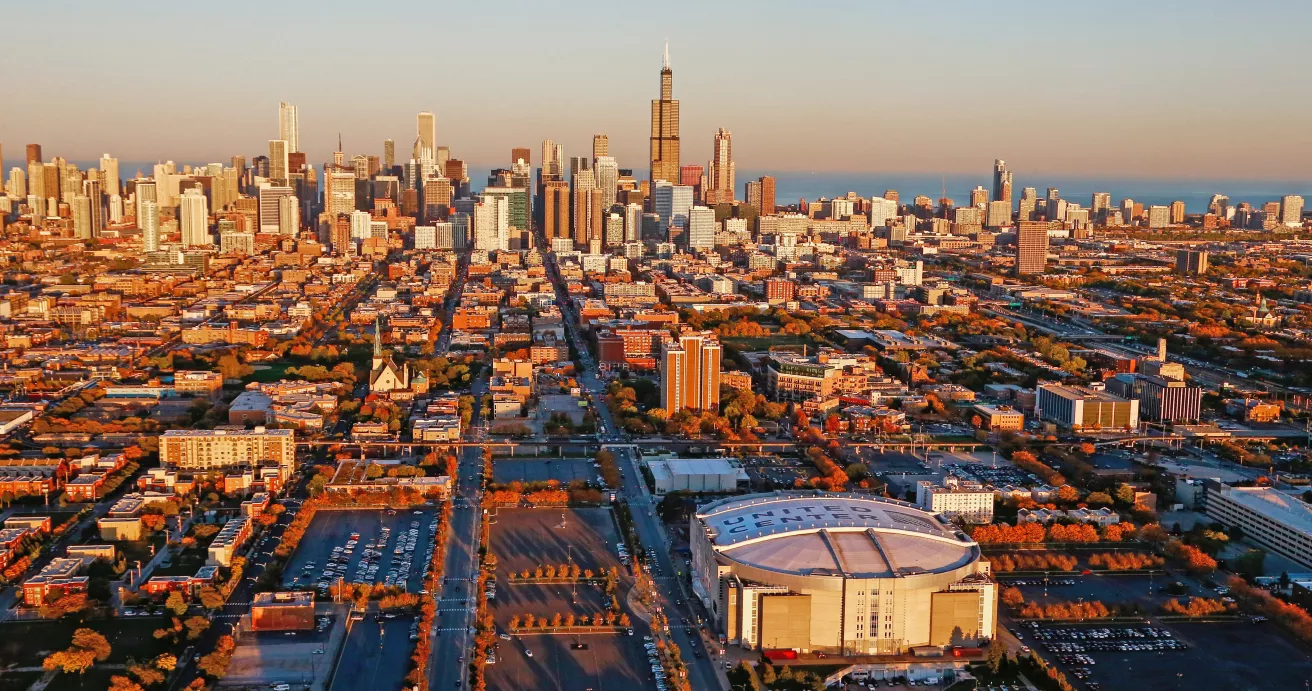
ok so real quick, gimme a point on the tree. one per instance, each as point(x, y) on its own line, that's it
point(1067, 493)
point(1125, 494)
point(166, 662)
point(122, 683)
point(196, 626)
point(176, 604)
point(1099, 499)
point(146, 675)
point(211, 598)
point(87, 648)
point(997, 655)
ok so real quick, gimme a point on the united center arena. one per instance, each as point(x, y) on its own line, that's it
point(839, 573)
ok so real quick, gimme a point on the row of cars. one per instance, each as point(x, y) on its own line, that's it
point(657, 668)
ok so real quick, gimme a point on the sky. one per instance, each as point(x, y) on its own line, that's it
point(1169, 89)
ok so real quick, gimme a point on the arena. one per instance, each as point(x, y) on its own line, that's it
point(841, 574)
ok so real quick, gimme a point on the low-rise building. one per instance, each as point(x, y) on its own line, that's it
point(228, 541)
point(998, 418)
point(1273, 519)
point(59, 577)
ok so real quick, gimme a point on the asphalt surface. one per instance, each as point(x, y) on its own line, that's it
point(376, 655)
point(453, 629)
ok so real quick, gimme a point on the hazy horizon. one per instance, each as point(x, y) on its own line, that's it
point(859, 88)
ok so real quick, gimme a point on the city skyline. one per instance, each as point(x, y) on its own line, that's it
point(1133, 107)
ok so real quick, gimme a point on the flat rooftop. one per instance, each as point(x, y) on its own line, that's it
point(1273, 504)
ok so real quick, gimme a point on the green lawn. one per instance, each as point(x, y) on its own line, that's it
point(764, 343)
point(267, 372)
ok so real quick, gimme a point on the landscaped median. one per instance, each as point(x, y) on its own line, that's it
point(607, 622)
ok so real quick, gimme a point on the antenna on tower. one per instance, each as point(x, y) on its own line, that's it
point(339, 141)
point(666, 63)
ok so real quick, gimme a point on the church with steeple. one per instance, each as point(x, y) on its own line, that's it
point(386, 376)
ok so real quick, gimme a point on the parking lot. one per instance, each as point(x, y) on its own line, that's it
point(369, 546)
point(565, 470)
point(1238, 656)
point(376, 656)
point(526, 538)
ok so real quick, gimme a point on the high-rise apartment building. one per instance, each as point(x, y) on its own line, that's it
point(148, 222)
point(491, 223)
point(600, 146)
point(701, 228)
point(665, 128)
point(690, 372)
point(82, 218)
point(1031, 247)
point(722, 170)
point(289, 215)
point(339, 191)
point(1191, 261)
point(1001, 182)
point(1102, 201)
point(1177, 212)
point(1159, 216)
point(1291, 211)
point(194, 219)
point(289, 126)
point(34, 154)
point(219, 449)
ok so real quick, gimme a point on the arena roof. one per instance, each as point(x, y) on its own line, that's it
point(834, 534)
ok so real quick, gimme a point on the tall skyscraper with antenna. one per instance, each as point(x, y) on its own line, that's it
point(665, 128)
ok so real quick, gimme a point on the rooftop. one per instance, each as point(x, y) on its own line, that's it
point(1273, 504)
point(834, 534)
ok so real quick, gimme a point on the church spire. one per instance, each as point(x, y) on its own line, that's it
point(378, 335)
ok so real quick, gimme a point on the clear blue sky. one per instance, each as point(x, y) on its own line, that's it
point(1156, 88)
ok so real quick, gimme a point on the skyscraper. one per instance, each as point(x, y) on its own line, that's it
point(690, 372)
point(91, 189)
point(553, 159)
point(693, 175)
point(278, 149)
point(148, 222)
point(722, 177)
point(289, 126)
point(600, 146)
point(193, 219)
point(665, 128)
point(82, 218)
point(270, 208)
point(606, 174)
point(767, 195)
point(672, 204)
point(427, 124)
point(389, 155)
point(521, 153)
point(1001, 182)
point(1031, 247)
point(1177, 212)
point(109, 174)
point(34, 154)
point(555, 209)
point(752, 194)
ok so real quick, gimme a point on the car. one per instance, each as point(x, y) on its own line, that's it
point(528, 653)
point(504, 636)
